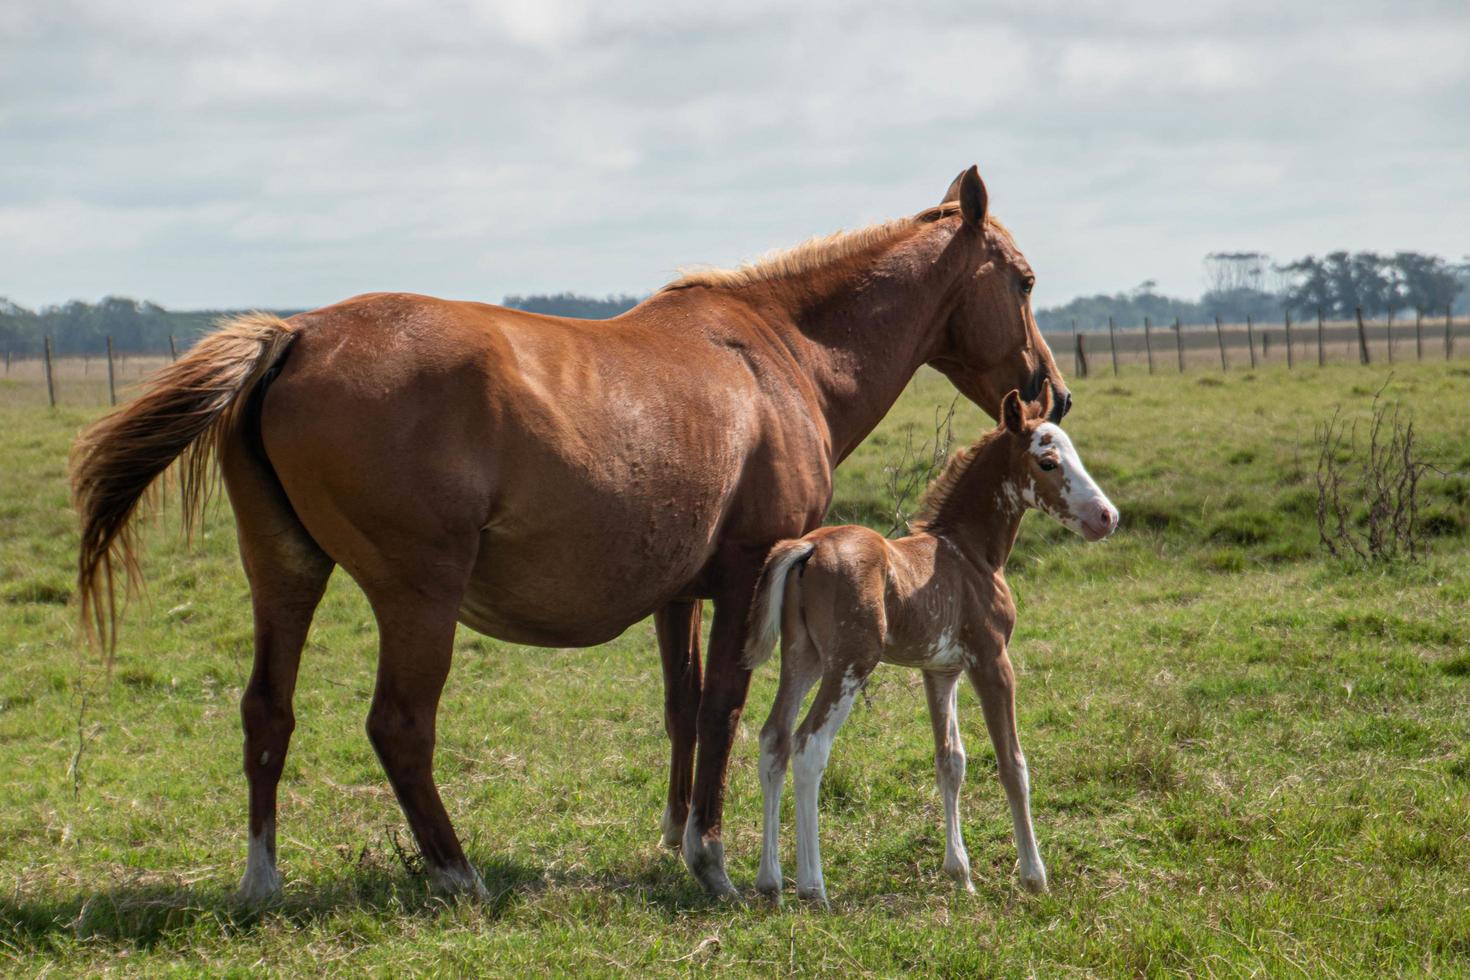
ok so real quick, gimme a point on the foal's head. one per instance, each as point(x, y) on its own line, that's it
point(1046, 472)
point(992, 343)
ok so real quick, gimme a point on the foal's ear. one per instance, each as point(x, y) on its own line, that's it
point(969, 190)
point(1043, 402)
point(1013, 413)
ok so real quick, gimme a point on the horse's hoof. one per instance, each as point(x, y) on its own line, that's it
point(769, 889)
point(259, 886)
point(1035, 885)
point(463, 882)
point(672, 832)
point(706, 861)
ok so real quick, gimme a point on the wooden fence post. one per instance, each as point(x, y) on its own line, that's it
point(1321, 351)
point(1148, 344)
point(173, 352)
point(1179, 344)
point(1220, 336)
point(1081, 358)
point(1418, 335)
point(1265, 345)
point(7, 360)
point(1289, 362)
point(111, 382)
point(1388, 332)
point(1363, 357)
point(50, 384)
point(1076, 351)
point(1113, 346)
point(1449, 332)
point(1250, 339)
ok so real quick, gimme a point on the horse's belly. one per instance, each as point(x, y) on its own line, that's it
point(547, 590)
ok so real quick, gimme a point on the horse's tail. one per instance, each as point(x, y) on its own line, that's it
point(770, 592)
point(191, 406)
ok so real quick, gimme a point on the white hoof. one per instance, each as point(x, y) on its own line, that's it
point(1035, 883)
point(455, 881)
point(673, 833)
point(816, 895)
point(261, 883)
point(706, 861)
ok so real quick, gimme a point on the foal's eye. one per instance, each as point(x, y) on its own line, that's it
point(1026, 286)
point(1048, 464)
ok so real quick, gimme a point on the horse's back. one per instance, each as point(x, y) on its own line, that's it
point(595, 463)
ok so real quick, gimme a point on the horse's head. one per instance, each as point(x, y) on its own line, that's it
point(1047, 472)
point(991, 343)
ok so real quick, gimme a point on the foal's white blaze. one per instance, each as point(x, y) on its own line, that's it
point(1083, 502)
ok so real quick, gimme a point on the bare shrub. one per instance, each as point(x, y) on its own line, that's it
point(917, 466)
point(1368, 500)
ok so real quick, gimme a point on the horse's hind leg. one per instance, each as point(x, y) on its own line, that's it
point(677, 625)
point(287, 573)
point(416, 633)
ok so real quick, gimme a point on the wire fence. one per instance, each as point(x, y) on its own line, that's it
point(102, 378)
point(1244, 346)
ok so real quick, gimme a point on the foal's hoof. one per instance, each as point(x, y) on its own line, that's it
point(1035, 884)
point(769, 890)
point(816, 897)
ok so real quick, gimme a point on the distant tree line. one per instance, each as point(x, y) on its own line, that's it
point(570, 304)
point(1242, 284)
point(83, 328)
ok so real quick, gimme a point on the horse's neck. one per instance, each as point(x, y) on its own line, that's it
point(860, 336)
point(983, 515)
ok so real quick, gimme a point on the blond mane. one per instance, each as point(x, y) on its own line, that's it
point(819, 252)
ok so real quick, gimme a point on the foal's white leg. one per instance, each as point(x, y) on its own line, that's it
point(995, 682)
point(949, 766)
point(813, 747)
point(800, 669)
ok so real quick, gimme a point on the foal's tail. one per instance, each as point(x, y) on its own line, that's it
point(770, 591)
point(191, 407)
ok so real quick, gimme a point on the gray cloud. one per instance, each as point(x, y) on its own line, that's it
point(238, 153)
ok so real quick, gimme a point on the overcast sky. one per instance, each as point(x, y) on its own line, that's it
point(289, 154)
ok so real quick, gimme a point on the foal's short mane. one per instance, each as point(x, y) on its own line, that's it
point(819, 252)
point(937, 494)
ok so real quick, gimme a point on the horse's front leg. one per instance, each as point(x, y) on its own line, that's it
point(677, 626)
point(726, 684)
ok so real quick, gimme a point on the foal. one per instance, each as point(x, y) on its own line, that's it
point(936, 600)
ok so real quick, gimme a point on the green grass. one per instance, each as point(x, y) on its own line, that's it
point(1245, 758)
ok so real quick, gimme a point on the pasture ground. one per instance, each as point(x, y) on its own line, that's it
point(1246, 758)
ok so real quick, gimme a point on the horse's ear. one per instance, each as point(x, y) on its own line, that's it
point(969, 190)
point(1013, 413)
point(1044, 402)
point(953, 194)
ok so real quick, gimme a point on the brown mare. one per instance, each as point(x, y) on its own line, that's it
point(552, 481)
point(936, 600)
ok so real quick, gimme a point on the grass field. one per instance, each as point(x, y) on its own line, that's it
point(1245, 758)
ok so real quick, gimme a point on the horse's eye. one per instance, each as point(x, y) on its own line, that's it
point(1026, 286)
point(1048, 464)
